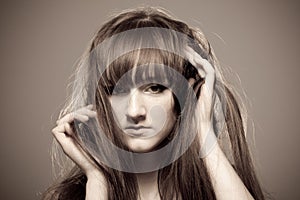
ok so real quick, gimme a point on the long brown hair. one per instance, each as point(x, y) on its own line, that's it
point(185, 178)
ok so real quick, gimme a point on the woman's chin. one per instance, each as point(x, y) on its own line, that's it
point(140, 145)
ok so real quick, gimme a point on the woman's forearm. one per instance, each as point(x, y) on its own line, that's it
point(226, 182)
point(96, 188)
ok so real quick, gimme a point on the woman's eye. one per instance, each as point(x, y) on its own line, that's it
point(155, 89)
point(118, 90)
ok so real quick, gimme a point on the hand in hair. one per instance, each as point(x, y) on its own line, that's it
point(64, 133)
point(204, 110)
point(220, 169)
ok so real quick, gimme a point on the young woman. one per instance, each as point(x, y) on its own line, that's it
point(151, 117)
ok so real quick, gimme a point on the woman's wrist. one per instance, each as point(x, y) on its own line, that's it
point(214, 154)
point(95, 175)
point(208, 143)
point(96, 187)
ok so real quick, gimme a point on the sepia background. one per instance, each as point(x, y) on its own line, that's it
point(41, 40)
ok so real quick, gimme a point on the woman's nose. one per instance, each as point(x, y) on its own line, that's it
point(136, 110)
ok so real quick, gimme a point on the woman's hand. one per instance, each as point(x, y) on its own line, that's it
point(227, 184)
point(64, 133)
point(204, 109)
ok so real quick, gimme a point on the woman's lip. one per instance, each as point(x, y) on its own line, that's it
point(136, 131)
point(136, 127)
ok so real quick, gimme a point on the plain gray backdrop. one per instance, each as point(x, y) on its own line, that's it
point(41, 40)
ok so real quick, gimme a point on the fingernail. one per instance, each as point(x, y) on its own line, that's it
point(86, 118)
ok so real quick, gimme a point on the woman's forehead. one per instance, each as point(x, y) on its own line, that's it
point(145, 74)
point(144, 64)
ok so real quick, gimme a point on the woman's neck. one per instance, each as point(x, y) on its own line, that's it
point(148, 187)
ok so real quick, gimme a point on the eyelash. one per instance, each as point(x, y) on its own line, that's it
point(159, 88)
point(150, 89)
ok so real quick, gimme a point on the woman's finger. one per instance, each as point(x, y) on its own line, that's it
point(205, 70)
point(82, 115)
point(69, 129)
point(87, 110)
point(189, 53)
point(70, 117)
point(63, 134)
point(205, 101)
point(63, 130)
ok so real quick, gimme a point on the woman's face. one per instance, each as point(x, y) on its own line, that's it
point(145, 114)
